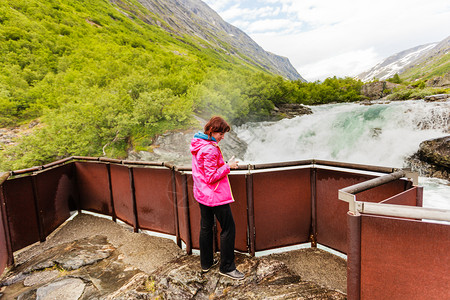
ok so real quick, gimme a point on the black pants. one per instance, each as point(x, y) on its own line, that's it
point(227, 235)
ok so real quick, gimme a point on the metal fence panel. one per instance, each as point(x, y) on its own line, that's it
point(93, 187)
point(183, 210)
point(54, 191)
point(194, 215)
point(20, 206)
point(404, 259)
point(122, 193)
point(408, 197)
point(282, 208)
point(239, 209)
point(154, 199)
point(331, 213)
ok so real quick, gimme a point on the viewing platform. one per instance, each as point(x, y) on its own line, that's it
point(370, 217)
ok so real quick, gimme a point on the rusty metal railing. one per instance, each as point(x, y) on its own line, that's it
point(277, 204)
point(363, 267)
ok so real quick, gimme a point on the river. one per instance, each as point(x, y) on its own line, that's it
point(380, 134)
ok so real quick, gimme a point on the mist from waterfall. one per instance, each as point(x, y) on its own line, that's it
point(379, 134)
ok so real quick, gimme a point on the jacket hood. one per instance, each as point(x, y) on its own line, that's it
point(199, 141)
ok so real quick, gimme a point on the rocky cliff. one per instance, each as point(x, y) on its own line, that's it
point(195, 18)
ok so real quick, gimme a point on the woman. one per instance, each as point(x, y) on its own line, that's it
point(213, 193)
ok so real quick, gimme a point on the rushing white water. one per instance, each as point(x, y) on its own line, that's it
point(379, 134)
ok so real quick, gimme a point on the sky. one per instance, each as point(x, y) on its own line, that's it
point(325, 38)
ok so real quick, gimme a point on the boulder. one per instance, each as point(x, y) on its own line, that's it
point(290, 110)
point(174, 147)
point(377, 90)
point(436, 152)
point(440, 81)
point(438, 97)
point(433, 158)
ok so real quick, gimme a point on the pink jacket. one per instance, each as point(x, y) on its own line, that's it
point(209, 172)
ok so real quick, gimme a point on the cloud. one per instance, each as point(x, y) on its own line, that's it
point(348, 64)
point(342, 38)
point(273, 26)
point(238, 12)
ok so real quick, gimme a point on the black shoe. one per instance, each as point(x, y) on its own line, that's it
point(215, 262)
point(235, 274)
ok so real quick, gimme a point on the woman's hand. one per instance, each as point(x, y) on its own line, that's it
point(233, 163)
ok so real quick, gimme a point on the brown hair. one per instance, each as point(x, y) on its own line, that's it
point(216, 124)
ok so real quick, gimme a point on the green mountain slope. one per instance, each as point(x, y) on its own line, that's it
point(102, 78)
point(429, 67)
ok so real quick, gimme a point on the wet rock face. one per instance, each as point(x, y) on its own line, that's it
point(174, 147)
point(433, 158)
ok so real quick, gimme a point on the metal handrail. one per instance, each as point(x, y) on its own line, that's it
point(402, 211)
point(348, 194)
point(366, 185)
point(187, 168)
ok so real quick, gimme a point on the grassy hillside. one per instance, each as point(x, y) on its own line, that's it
point(432, 67)
point(100, 79)
point(95, 74)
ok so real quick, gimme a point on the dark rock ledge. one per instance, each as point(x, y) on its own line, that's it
point(92, 267)
point(433, 158)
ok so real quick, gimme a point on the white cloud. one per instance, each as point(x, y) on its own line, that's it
point(274, 26)
point(342, 38)
point(342, 65)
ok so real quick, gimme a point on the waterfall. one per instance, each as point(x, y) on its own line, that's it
point(379, 134)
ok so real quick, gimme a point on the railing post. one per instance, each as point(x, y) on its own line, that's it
point(133, 199)
point(75, 188)
point(3, 211)
point(37, 208)
point(313, 234)
point(250, 213)
point(419, 196)
point(186, 213)
point(175, 207)
point(354, 256)
point(111, 196)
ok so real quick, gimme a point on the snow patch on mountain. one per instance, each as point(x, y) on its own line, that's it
point(396, 63)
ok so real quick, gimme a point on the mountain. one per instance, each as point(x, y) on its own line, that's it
point(106, 77)
point(195, 18)
point(420, 62)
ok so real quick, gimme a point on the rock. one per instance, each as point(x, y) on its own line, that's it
point(98, 272)
point(290, 110)
point(433, 158)
point(40, 277)
point(436, 152)
point(378, 89)
point(265, 279)
point(174, 147)
point(68, 289)
point(85, 252)
point(440, 81)
point(179, 277)
point(438, 97)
